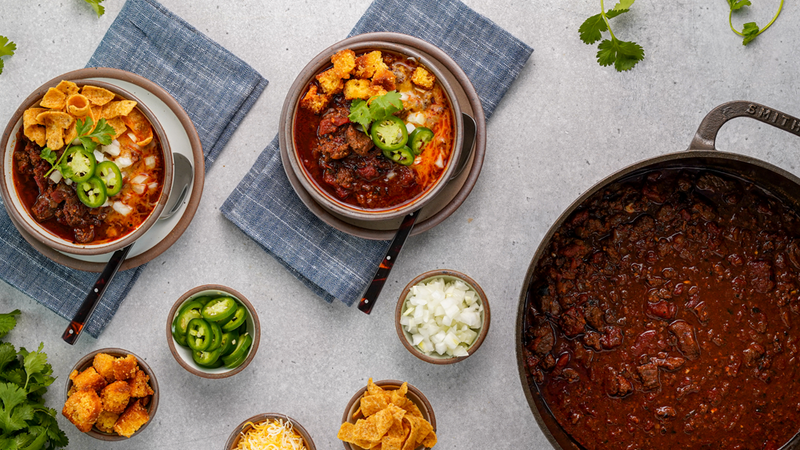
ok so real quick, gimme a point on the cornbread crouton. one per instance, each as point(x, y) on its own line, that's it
point(89, 379)
point(362, 89)
point(331, 81)
point(82, 409)
point(105, 421)
point(124, 368)
point(115, 397)
point(104, 365)
point(344, 62)
point(139, 386)
point(314, 101)
point(384, 77)
point(132, 419)
point(367, 63)
point(423, 78)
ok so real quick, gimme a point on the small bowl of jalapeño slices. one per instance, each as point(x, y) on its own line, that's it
point(213, 331)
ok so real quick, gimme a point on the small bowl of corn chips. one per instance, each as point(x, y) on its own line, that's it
point(389, 413)
point(111, 394)
point(69, 113)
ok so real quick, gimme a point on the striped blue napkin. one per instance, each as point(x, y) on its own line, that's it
point(216, 89)
point(333, 264)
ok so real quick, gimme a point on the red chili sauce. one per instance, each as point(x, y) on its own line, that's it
point(56, 207)
point(342, 159)
point(664, 315)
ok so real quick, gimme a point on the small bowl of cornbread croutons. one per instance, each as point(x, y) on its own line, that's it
point(112, 394)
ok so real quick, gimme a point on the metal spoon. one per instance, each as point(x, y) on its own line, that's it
point(374, 289)
point(182, 179)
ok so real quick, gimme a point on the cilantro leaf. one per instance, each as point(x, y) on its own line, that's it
point(750, 31)
point(622, 54)
point(624, 5)
point(385, 105)
point(35, 362)
point(96, 6)
point(8, 322)
point(8, 354)
point(66, 169)
point(6, 49)
point(48, 155)
point(11, 396)
point(103, 132)
point(359, 113)
point(738, 4)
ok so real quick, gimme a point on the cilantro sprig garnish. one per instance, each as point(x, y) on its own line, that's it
point(96, 6)
point(375, 109)
point(7, 48)
point(622, 54)
point(103, 133)
point(749, 30)
point(25, 422)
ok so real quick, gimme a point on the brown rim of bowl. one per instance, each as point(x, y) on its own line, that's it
point(85, 362)
point(394, 42)
point(196, 369)
point(39, 232)
point(233, 440)
point(414, 394)
point(398, 311)
point(197, 185)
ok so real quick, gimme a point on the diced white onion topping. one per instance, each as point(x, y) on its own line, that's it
point(442, 317)
point(112, 148)
point(439, 162)
point(56, 176)
point(410, 127)
point(123, 162)
point(416, 118)
point(68, 182)
point(122, 208)
point(98, 156)
point(150, 162)
point(133, 137)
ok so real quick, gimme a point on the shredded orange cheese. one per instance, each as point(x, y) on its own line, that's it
point(270, 435)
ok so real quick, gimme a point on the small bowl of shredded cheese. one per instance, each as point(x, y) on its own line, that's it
point(270, 431)
point(442, 316)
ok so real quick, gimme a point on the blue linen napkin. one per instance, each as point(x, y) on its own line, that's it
point(216, 89)
point(333, 264)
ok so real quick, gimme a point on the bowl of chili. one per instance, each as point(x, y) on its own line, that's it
point(213, 331)
point(660, 309)
point(371, 127)
point(106, 178)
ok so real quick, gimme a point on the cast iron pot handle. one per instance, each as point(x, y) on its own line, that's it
point(707, 131)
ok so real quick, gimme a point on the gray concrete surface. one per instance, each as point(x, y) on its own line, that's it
point(565, 124)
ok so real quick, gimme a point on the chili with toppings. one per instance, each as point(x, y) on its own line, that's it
point(664, 314)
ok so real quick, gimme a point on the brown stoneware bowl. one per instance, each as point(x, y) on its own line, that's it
point(183, 355)
point(391, 42)
point(86, 362)
point(413, 394)
point(239, 431)
point(23, 219)
point(448, 276)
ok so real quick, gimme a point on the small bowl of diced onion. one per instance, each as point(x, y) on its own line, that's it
point(442, 316)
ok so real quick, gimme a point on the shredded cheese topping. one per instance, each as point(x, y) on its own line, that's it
point(270, 435)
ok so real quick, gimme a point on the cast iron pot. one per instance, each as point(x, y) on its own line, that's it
point(701, 154)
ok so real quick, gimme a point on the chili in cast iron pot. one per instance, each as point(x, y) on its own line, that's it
point(560, 332)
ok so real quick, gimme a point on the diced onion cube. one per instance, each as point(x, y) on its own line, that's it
point(112, 148)
point(56, 176)
point(122, 208)
point(98, 156)
point(150, 162)
point(123, 162)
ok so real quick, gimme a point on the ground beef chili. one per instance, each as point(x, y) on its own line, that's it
point(664, 314)
point(54, 204)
